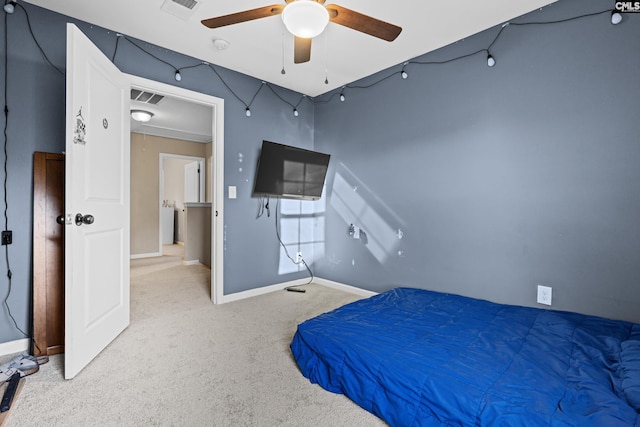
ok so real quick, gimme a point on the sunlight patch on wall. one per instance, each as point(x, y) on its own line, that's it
point(354, 203)
point(302, 229)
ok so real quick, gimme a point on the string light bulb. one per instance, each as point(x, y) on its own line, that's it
point(403, 73)
point(10, 6)
point(178, 76)
point(295, 112)
point(616, 17)
point(247, 112)
point(490, 60)
point(342, 97)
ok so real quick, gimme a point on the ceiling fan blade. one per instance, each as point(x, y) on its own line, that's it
point(363, 23)
point(247, 15)
point(301, 50)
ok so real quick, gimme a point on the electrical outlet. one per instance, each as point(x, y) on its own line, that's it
point(298, 257)
point(544, 295)
point(7, 237)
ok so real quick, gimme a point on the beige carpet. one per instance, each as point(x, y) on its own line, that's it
point(186, 362)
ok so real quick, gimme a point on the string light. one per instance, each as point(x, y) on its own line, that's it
point(616, 18)
point(403, 73)
point(10, 6)
point(490, 60)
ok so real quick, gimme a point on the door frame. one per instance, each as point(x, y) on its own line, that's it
point(217, 177)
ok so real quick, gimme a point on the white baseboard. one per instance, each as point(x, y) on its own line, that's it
point(191, 262)
point(343, 287)
point(11, 347)
point(150, 255)
point(261, 291)
point(280, 286)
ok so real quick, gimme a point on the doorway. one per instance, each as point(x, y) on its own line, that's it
point(215, 180)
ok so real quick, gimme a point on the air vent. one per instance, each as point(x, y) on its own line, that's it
point(189, 4)
point(182, 9)
point(146, 97)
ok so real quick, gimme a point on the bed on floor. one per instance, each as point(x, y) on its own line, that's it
point(420, 358)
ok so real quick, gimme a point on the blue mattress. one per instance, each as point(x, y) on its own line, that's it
point(419, 358)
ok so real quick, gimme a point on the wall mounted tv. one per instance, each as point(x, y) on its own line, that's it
point(290, 172)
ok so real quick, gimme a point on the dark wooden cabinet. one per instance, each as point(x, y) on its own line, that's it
point(48, 253)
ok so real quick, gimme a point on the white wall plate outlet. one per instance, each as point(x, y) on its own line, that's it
point(544, 295)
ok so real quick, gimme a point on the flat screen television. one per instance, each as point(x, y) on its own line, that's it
point(290, 172)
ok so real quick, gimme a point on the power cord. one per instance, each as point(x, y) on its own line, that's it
point(302, 261)
point(263, 205)
point(6, 157)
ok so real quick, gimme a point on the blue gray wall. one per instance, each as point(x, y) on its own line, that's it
point(465, 179)
point(488, 181)
point(36, 99)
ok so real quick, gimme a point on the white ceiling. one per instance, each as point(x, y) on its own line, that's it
point(259, 48)
point(175, 118)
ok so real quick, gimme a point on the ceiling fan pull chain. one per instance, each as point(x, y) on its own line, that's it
point(326, 56)
point(283, 72)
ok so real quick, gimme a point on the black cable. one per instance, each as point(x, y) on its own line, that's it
point(280, 97)
point(256, 94)
point(287, 252)
point(44, 55)
point(148, 53)
point(6, 174)
point(227, 86)
point(115, 50)
point(263, 205)
point(192, 66)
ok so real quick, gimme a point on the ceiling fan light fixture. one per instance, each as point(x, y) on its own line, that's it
point(141, 115)
point(305, 18)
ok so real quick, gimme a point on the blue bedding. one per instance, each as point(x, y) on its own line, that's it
point(420, 358)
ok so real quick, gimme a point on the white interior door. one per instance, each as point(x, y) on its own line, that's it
point(192, 182)
point(97, 183)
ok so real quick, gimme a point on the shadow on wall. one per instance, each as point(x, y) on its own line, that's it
point(366, 217)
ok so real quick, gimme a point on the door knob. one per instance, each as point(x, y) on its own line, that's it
point(60, 219)
point(84, 219)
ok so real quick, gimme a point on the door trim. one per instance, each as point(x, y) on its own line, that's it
point(217, 177)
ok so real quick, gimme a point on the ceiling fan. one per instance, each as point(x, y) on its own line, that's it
point(306, 19)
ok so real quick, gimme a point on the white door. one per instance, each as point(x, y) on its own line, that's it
point(192, 182)
point(97, 188)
